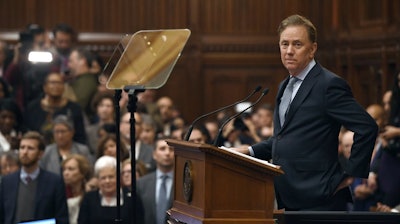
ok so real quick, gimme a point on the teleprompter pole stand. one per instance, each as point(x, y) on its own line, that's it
point(132, 107)
point(117, 98)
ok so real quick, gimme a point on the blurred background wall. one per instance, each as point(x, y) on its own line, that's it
point(234, 43)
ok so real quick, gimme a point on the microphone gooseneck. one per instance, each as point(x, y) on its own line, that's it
point(187, 136)
point(216, 141)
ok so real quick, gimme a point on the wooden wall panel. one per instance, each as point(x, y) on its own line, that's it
point(233, 45)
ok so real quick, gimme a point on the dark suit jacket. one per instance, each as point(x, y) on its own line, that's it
point(91, 211)
point(306, 147)
point(146, 190)
point(50, 200)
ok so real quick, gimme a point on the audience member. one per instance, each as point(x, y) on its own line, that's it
point(76, 170)
point(64, 145)
point(263, 120)
point(99, 207)
point(5, 89)
point(385, 208)
point(9, 163)
point(41, 112)
point(212, 127)
point(82, 81)
point(164, 116)
point(103, 104)
point(63, 40)
point(126, 172)
point(146, 102)
point(24, 77)
point(108, 147)
point(4, 58)
point(148, 130)
point(155, 188)
point(200, 135)
point(143, 152)
point(386, 104)
point(388, 173)
point(32, 193)
point(11, 125)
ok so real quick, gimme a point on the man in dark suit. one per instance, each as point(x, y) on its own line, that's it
point(143, 151)
point(307, 120)
point(32, 193)
point(150, 186)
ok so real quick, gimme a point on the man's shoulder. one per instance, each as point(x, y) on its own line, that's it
point(147, 178)
point(10, 177)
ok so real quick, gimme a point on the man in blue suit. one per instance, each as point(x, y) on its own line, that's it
point(32, 193)
point(306, 129)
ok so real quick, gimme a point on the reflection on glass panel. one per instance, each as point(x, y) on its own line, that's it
point(145, 58)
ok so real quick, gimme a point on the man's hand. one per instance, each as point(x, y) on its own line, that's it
point(345, 183)
point(242, 149)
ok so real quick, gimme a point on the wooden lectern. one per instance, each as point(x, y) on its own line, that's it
point(215, 186)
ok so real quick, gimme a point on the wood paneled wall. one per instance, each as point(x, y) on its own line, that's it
point(233, 46)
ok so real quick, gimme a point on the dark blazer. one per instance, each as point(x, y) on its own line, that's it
point(306, 147)
point(50, 200)
point(91, 211)
point(146, 156)
point(146, 190)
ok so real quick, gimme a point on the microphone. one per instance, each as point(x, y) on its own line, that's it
point(216, 141)
point(187, 136)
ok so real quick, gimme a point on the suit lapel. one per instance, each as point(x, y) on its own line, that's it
point(303, 91)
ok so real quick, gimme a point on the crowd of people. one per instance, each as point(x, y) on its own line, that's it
point(58, 144)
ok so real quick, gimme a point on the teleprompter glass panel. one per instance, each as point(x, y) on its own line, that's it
point(145, 58)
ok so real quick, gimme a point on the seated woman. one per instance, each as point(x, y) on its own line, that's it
point(76, 171)
point(101, 206)
point(108, 147)
point(64, 145)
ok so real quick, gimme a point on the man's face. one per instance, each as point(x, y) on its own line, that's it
point(29, 152)
point(296, 49)
point(165, 106)
point(163, 154)
point(63, 42)
point(74, 62)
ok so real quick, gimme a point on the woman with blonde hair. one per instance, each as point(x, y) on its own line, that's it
point(76, 171)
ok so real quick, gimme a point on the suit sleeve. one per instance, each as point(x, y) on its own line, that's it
point(1, 203)
point(342, 107)
point(263, 149)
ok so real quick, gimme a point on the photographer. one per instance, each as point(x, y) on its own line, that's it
point(25, 77)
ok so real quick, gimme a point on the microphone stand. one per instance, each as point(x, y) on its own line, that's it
point(217, 140)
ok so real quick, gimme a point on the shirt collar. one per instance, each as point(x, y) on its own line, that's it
point(32, 175)
point(302, 75)
point(159, 174)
